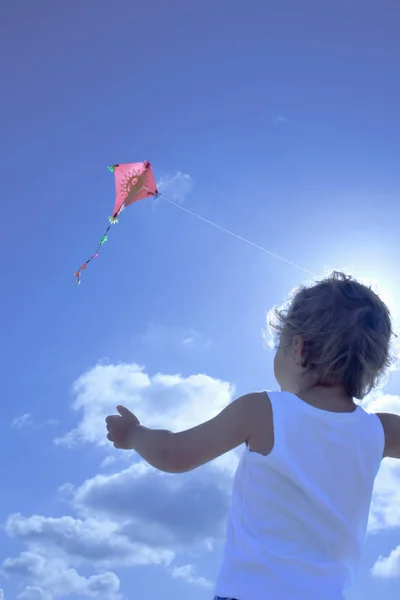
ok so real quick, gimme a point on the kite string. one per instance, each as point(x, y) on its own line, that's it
point(235, 235)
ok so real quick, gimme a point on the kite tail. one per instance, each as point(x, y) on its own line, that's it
point(78, 274)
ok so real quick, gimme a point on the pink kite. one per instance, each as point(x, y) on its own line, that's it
point(133, 182)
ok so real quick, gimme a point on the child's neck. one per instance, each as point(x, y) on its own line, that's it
point(332, 399)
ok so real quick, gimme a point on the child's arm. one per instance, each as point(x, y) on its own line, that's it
point(187, 450)
point(391, 427)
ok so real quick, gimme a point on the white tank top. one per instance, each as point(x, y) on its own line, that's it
point(298, 516)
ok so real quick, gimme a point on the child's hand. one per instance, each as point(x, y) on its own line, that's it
point(121, 428)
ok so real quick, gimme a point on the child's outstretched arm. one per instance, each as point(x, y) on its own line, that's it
point(187, 450)
point(391, 427)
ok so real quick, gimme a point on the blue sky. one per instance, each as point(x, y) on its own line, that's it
point(283, 118)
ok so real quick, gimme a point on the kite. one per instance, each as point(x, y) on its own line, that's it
point(133, 182)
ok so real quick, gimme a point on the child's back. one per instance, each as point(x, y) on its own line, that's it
point(299, 514)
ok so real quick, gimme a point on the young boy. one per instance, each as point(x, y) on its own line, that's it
point(302, 490)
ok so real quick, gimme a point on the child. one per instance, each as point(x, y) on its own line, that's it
point(302, 490)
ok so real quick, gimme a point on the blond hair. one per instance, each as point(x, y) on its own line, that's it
point(346, 330)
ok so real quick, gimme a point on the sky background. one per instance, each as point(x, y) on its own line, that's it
point(278, 120)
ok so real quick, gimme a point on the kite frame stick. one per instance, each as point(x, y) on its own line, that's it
point(235, 235)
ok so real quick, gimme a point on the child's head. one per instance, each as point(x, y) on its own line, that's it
point(334, 333)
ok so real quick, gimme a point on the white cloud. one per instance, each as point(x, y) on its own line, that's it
point(49, 423)
point(51, 578)
point(107, 461)
point(175, 187)
point(378, 401)
point(27, 421)
point(388, 567)
point(166, 401)
point(83, 541)
point(281, 120)
point(169, 339)
point(143, 516)
point(159, 510)
point(2, 596)
point(385, 507)
point(33, 592)
point(22, 421)
point(188, 574)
